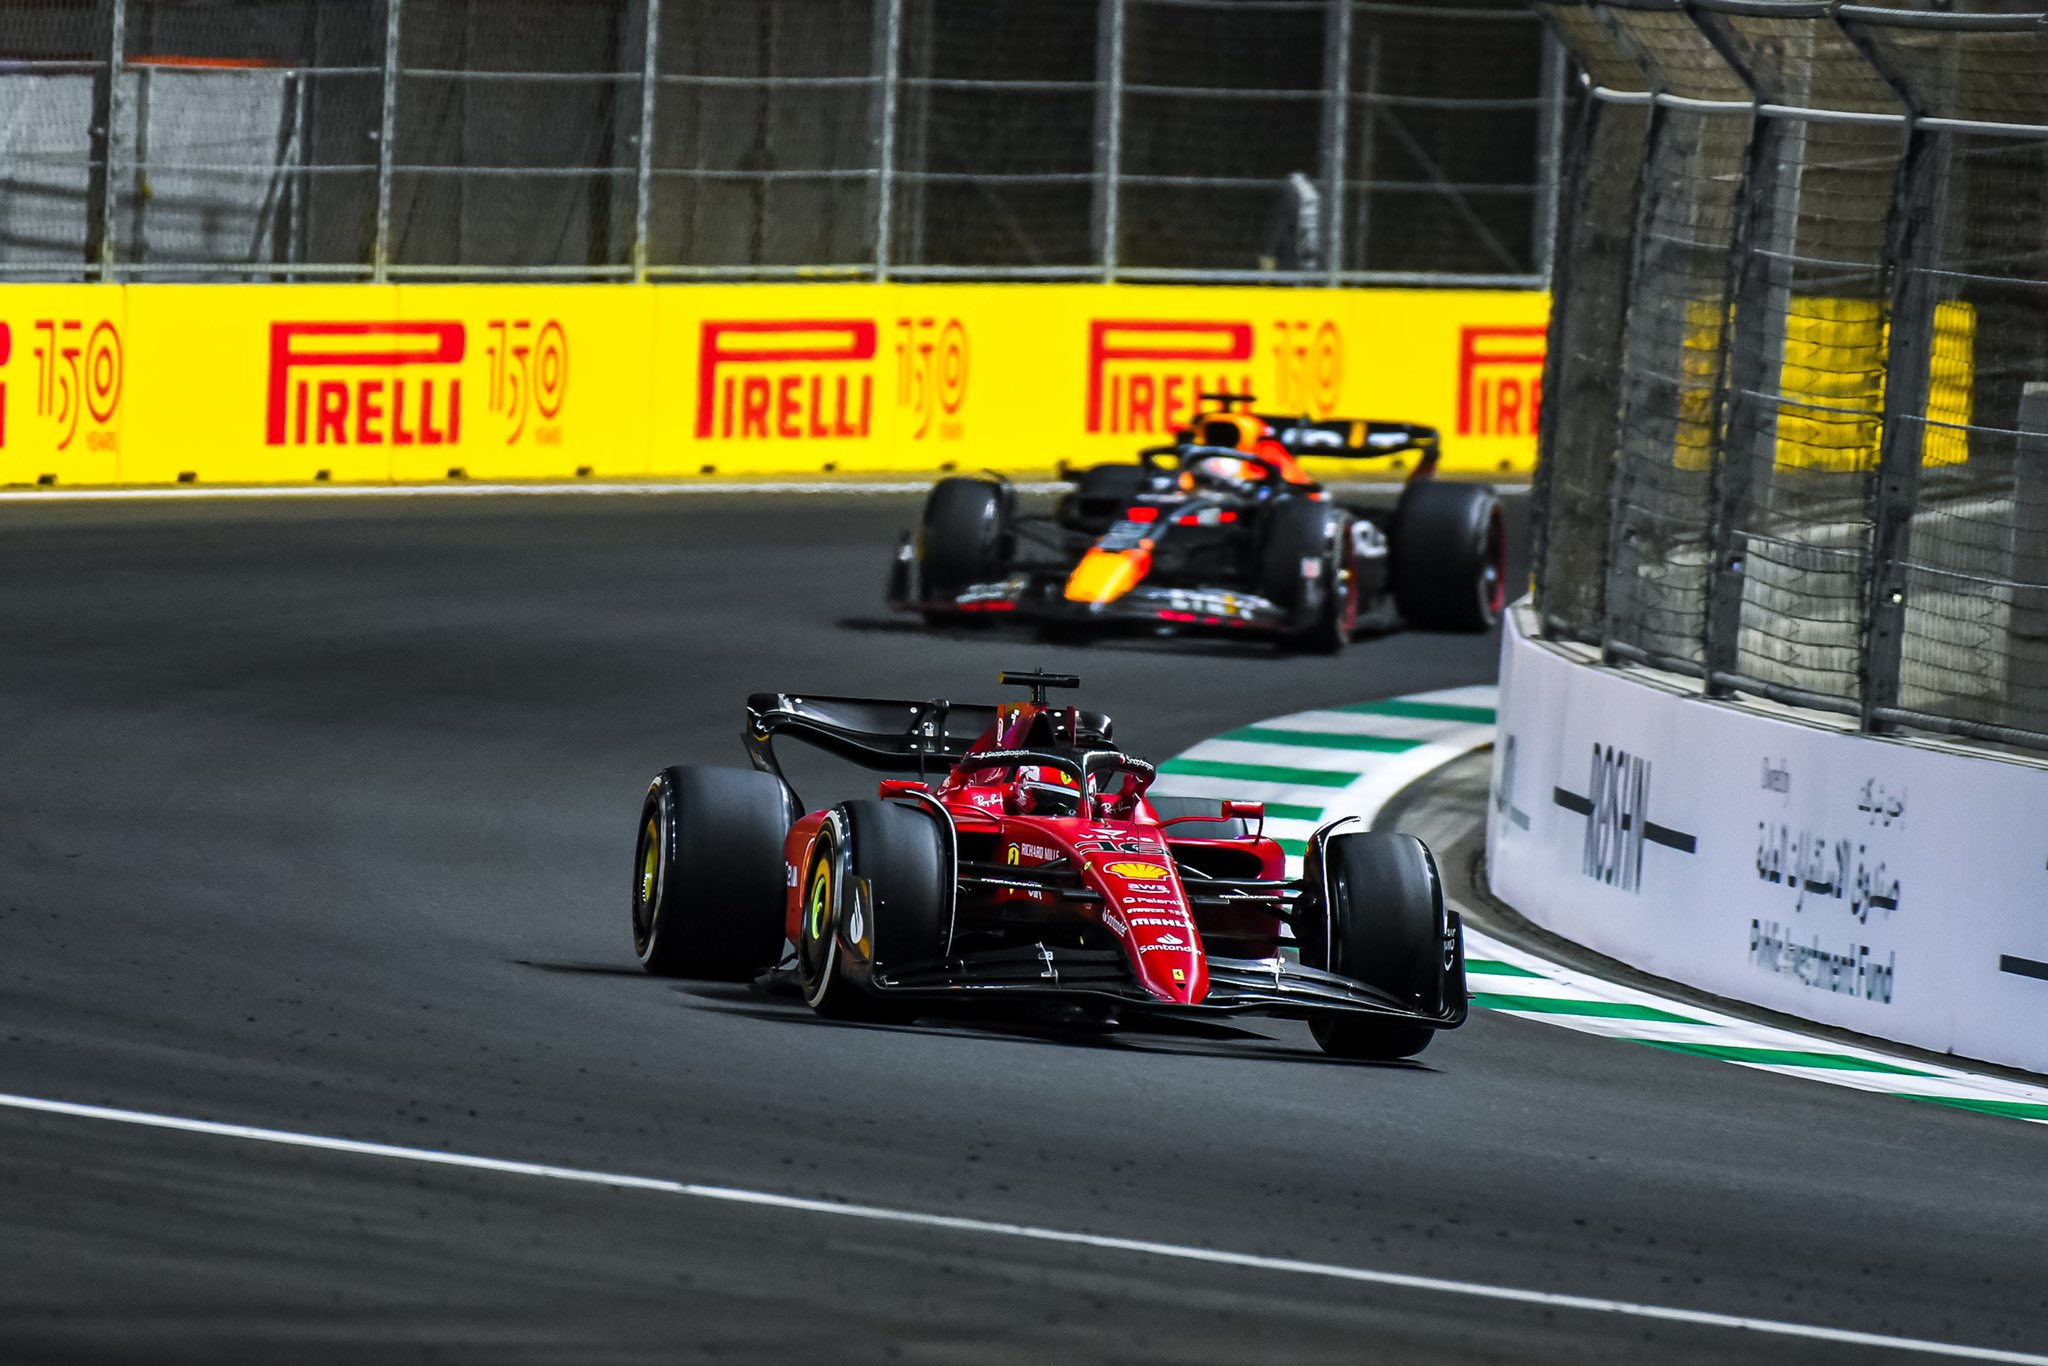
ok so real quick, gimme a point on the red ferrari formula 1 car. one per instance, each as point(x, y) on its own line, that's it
point(1017, 853)
point(1221, 530)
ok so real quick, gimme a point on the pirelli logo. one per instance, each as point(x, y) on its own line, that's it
point(1147, 375)
point(1500, 380)
point(365, 384)
point(808, 379)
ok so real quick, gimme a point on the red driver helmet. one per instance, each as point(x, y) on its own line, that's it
point(1042, 790)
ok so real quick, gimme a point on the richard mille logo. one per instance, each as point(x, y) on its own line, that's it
point(1616, 807)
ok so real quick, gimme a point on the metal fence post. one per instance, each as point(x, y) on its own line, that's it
point(106, 118)
point(643, 185)
point(1574, 175)
point(1550, 151)
point(380, 252)
point(1766, 219)
point(1622, 559)
point(1109, 116)
point(888, 53)
point(1908, 373)
point(1368, 137)
point(2026, 549)
point(1336, 128)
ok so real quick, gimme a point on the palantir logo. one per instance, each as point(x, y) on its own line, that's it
point(384, 394)
point(1616, 806)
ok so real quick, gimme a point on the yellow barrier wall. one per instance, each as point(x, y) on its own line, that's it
point(158, 384)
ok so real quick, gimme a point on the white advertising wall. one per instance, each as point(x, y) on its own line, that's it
point(1896, 889)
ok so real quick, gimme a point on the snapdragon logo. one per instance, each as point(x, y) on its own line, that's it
point(1616, 805)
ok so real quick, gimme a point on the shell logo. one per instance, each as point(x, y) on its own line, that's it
point(1141, 872)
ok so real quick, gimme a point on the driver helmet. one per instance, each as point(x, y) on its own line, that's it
point(1228, 467)
point(1044, 790)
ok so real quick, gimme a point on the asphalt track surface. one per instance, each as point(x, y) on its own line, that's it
point(318, 816)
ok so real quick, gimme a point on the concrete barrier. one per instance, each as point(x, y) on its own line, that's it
point(1893, 887)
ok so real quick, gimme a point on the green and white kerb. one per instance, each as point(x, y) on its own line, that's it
point(1314, 766)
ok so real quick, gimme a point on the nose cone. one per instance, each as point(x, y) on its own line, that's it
point(1170, 963)
point(1148, 911)
point(1103, 576)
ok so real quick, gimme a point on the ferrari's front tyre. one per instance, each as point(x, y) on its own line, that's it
point(708, 881)
point(1450, 558)
point(1385, 925)
point(874, 896)
point(967, 536)
point(1302, 571)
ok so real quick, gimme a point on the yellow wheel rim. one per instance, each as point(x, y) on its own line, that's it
point(821, 900)
point(650, 866)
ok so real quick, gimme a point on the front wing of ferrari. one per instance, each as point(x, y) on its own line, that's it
point(1237, 986)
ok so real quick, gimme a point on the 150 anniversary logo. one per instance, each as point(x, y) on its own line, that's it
point(75, 386)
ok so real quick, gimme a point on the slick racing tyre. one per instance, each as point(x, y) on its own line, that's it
point(1450, 557)
point(708, 883)
point(1385, 928)
point(967, 537)
point(1302, 571)
point(1100, 496)
point(874, 896)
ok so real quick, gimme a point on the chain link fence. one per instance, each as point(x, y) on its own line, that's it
point(1276, 141)
point(1796, 442)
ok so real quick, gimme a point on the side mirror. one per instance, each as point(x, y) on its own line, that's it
point(1230, 811)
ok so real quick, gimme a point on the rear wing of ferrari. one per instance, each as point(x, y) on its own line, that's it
point(883, 734)
point(1352, 438)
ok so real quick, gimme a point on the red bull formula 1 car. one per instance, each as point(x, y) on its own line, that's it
point(1016, 854)
point(1222, 529)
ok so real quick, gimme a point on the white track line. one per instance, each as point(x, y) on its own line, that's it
point(991, 1228)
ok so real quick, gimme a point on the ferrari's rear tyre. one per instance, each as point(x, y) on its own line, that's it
point(967, 536)
point(1302, 571)
point(874, 897)
point(1450, 557)
point(1386, 929)
point(708, 872)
